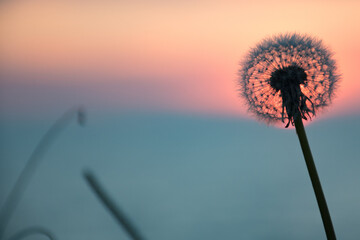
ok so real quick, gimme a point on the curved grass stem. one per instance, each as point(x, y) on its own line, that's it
point(32, 231)
point(324, 211)
point(22, 181)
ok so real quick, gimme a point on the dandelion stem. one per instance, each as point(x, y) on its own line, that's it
point(123, 220)
point(324, 211)
point(22, 181)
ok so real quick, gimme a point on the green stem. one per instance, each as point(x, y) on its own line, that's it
point(324, 211)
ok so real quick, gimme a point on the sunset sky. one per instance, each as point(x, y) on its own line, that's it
point(179, 56)
point(166, 132)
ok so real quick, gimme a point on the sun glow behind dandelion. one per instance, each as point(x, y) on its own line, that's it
point(164, 56)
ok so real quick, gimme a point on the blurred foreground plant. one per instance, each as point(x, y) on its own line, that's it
point(22, 181)
point(291, 77)
point(118, 214)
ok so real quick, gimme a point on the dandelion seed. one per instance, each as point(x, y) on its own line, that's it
point(286, 73)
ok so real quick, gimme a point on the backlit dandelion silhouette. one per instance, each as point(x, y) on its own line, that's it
point(291, 77)
point(288, 76)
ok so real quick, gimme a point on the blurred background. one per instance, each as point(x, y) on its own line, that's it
point(166, 132)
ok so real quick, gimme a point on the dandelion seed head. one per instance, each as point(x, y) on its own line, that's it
point(288, 76)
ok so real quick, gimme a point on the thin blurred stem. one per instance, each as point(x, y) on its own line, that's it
point(122, 219)
point(324, 211)
point(22, 182)
point(32, 231)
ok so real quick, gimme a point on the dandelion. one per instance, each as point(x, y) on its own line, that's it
point(288, 76)
point(291, 77)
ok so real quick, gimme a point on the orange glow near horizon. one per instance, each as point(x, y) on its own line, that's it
point(191, 49)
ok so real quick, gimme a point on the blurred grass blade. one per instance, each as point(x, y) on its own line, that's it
point(31, 231)
point(21, 183)
point(122, 219)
